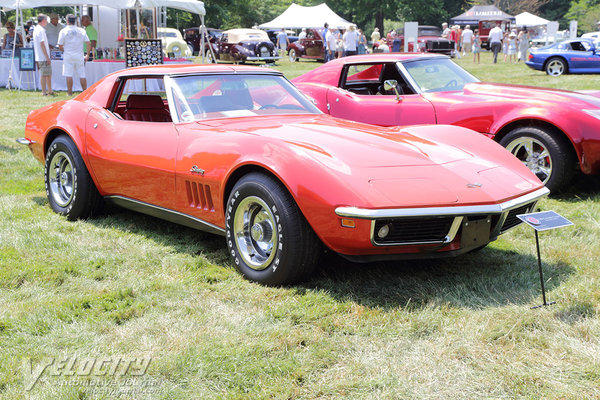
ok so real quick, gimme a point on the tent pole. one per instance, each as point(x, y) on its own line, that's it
point(14, 49)
point(202, 37)
point(137, 21)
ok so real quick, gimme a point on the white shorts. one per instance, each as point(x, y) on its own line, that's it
point(71, 66)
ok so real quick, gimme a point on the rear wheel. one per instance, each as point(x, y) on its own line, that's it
point(547, 156)
point(292, 55)
point(556, 66)
point(69, 187)
point(267, 235)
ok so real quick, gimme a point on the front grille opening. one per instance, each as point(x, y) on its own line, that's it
point(512, 220)
point(413, 230)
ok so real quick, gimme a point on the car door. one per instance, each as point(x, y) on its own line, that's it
point(583, 57)
point(132, 158)
point(224, 48)
point(313, 45)
point(359, 97)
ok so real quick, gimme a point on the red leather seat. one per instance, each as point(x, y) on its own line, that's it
point(150, 108)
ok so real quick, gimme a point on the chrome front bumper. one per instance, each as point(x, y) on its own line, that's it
point(24, 141)
point(460, 214)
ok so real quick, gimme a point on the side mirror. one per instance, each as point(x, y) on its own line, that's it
point(392, 84)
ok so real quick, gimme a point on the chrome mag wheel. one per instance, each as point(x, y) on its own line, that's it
point(255, 232)
point(61, 179)
point(555, 67)
point(534, 154)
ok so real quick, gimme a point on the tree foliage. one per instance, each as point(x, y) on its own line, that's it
point(586, 13)
point(367, 14)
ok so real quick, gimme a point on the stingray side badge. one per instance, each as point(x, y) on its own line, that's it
point(196, 170)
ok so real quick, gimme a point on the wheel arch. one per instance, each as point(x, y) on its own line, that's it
point(297, 47)
point(244, 170)
point(537, 123)
point(53, 134)
point(561, 58)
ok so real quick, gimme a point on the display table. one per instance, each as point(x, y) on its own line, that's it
point(30, 80)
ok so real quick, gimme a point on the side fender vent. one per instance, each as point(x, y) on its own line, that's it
point(199, 196)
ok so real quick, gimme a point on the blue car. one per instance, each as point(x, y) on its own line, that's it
point(574, 56)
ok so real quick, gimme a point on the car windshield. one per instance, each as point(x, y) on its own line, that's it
point(201, 97)
point(167, 34)
point(438, 75)
point(429, 31)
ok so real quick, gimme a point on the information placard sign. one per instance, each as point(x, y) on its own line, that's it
point(544, 220)
point(26, 59)
point(140, 52)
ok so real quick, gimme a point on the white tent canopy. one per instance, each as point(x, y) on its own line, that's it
point(193, 6)
point(528, 19)
point(297, 17)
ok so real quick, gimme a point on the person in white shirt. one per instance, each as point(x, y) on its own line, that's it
point(445, 30)
point(467, 39)
point(42, 55)
point(495, 41)
point(71, 41)
point(53, 29)
point(350, 41)
point(302, 34)
point(331, 41)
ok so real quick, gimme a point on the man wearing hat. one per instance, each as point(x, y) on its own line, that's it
point(52, 30)
point(71, 41)
point(375, 36)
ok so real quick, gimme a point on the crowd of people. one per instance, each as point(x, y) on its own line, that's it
point(512, 43)
point(76, 43)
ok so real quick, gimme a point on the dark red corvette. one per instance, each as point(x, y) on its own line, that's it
point(553, 132)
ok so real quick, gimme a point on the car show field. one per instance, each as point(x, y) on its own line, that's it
point(134, 287)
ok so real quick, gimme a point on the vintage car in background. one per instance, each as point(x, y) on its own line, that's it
point(429, 40)
point(573, 56)
point(310, 47)
point(552, 132)
point(173, 43)
point(292, 37)
point(241, 45)
point(192, 37)
point(238, 151)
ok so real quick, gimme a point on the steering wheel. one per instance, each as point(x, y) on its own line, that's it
point(452, 83)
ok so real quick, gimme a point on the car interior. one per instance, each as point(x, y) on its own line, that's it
point(146, 107)
point(370, 81)
point(142, 99)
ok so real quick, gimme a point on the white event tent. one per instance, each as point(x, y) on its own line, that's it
point(528, 19)
point(297, 17)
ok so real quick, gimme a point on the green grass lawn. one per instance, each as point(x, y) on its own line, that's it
point(130, 287)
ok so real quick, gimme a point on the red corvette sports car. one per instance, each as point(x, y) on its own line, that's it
point(551, 131)
point(238, 151)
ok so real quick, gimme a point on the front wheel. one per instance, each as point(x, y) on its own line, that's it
point(268, 237)
point(69, 187)
point(556, 67)
point(208, 57)
point(292, 55)
point(548, 157)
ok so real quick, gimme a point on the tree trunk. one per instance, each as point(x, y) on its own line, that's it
point(379, 21)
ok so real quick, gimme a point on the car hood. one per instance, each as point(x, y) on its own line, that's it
point(532, 94)
point(379, 164)
point(359, 145)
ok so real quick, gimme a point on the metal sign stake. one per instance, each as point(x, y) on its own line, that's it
point(539, 257)
point(542, 221)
